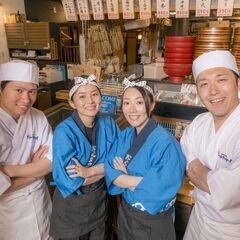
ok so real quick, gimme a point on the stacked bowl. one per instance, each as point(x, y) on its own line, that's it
point(236, 46)
point(212, 38)
point(178, 57)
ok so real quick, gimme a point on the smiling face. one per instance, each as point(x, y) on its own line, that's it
point(218, 90)
point(86, 100)
point(18, 97)
point(134, 108)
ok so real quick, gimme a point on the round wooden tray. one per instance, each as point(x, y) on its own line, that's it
point(236, 38)
point(212, 45)
point(237, 31)
point(213, 38)
point(213, 30)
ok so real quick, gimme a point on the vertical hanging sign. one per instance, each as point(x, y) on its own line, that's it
point(112, 8)
point(97, 8)
point(162, 8)
point(182, 8)
point(225, 8)
point(69, 10)
point(128, 9)
point(203, 8)
point(83, 9)
point(145, 9)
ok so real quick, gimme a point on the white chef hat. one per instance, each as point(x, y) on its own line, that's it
point(19, 70)
point(212, 59)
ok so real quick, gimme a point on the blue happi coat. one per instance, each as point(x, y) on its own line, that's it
point(159, 161)
point(70, 141)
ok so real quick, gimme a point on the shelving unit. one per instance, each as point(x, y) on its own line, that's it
point(35, 40)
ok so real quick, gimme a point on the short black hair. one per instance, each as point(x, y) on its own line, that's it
point(236, 75)
point(147, 98)
point(3, 84)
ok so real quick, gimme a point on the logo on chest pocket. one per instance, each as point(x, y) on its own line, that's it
point(32, 136)
point(224, 157)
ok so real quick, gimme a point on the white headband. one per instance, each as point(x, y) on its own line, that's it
point(19, 70)
point(213, 59)
point(80, 81)
point(142, 84)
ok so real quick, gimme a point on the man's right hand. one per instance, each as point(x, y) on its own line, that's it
point(39, 154)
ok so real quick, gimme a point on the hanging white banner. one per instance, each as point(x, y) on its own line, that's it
point(225, 8)
point(69, 10)
point(128, 9)
point(145, 9)
point(83, 9)
point(203, 8)
point(112, 8)
point(97, 9)
point(182, 8)
point(162, 8)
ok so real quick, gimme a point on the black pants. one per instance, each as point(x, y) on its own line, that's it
point(134, 224)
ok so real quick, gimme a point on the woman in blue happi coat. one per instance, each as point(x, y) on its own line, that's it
point(80, 146)
point(147, 166)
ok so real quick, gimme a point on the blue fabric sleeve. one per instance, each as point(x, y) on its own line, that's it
point(63, 151)
point(161, 183)
point(111, 173)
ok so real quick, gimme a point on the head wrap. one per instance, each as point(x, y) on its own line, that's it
point(80, 81)
point(142, 84)
point(213, 59)
point(19, 70)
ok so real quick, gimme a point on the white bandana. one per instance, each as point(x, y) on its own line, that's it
point(213, 59)
point(142, 84)
point(80, 81)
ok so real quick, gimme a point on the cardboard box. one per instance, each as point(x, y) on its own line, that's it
point(154, 71)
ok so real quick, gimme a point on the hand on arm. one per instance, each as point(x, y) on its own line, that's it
point(198, 173)
point(38, 167)
point(125, 180)
point(84, 172)
point(93, 179)
point(18, 183)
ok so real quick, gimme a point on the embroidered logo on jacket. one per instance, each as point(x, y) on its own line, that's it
point(33, 136)
point(224, 157)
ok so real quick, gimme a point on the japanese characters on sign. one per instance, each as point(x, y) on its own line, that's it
point(225, 8)
point(128, 9)
point(112, 8)
point(69, 10)
point(182, 8)
point(162, 8)
point(145, 9)
point(83, 9)
point(203, 8)
point(97, 8)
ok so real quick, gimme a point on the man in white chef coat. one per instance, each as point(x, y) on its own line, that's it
point(211, 144)
point(25, 155)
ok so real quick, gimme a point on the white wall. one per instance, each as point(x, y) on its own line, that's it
point(7, 7)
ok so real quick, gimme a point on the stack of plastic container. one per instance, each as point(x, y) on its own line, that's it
point(178, 57)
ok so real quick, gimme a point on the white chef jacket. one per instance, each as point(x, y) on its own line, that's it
point(219, 151)
point(25, 213)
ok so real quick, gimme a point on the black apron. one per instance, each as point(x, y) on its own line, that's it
point(79, 214)
point(134, 224)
